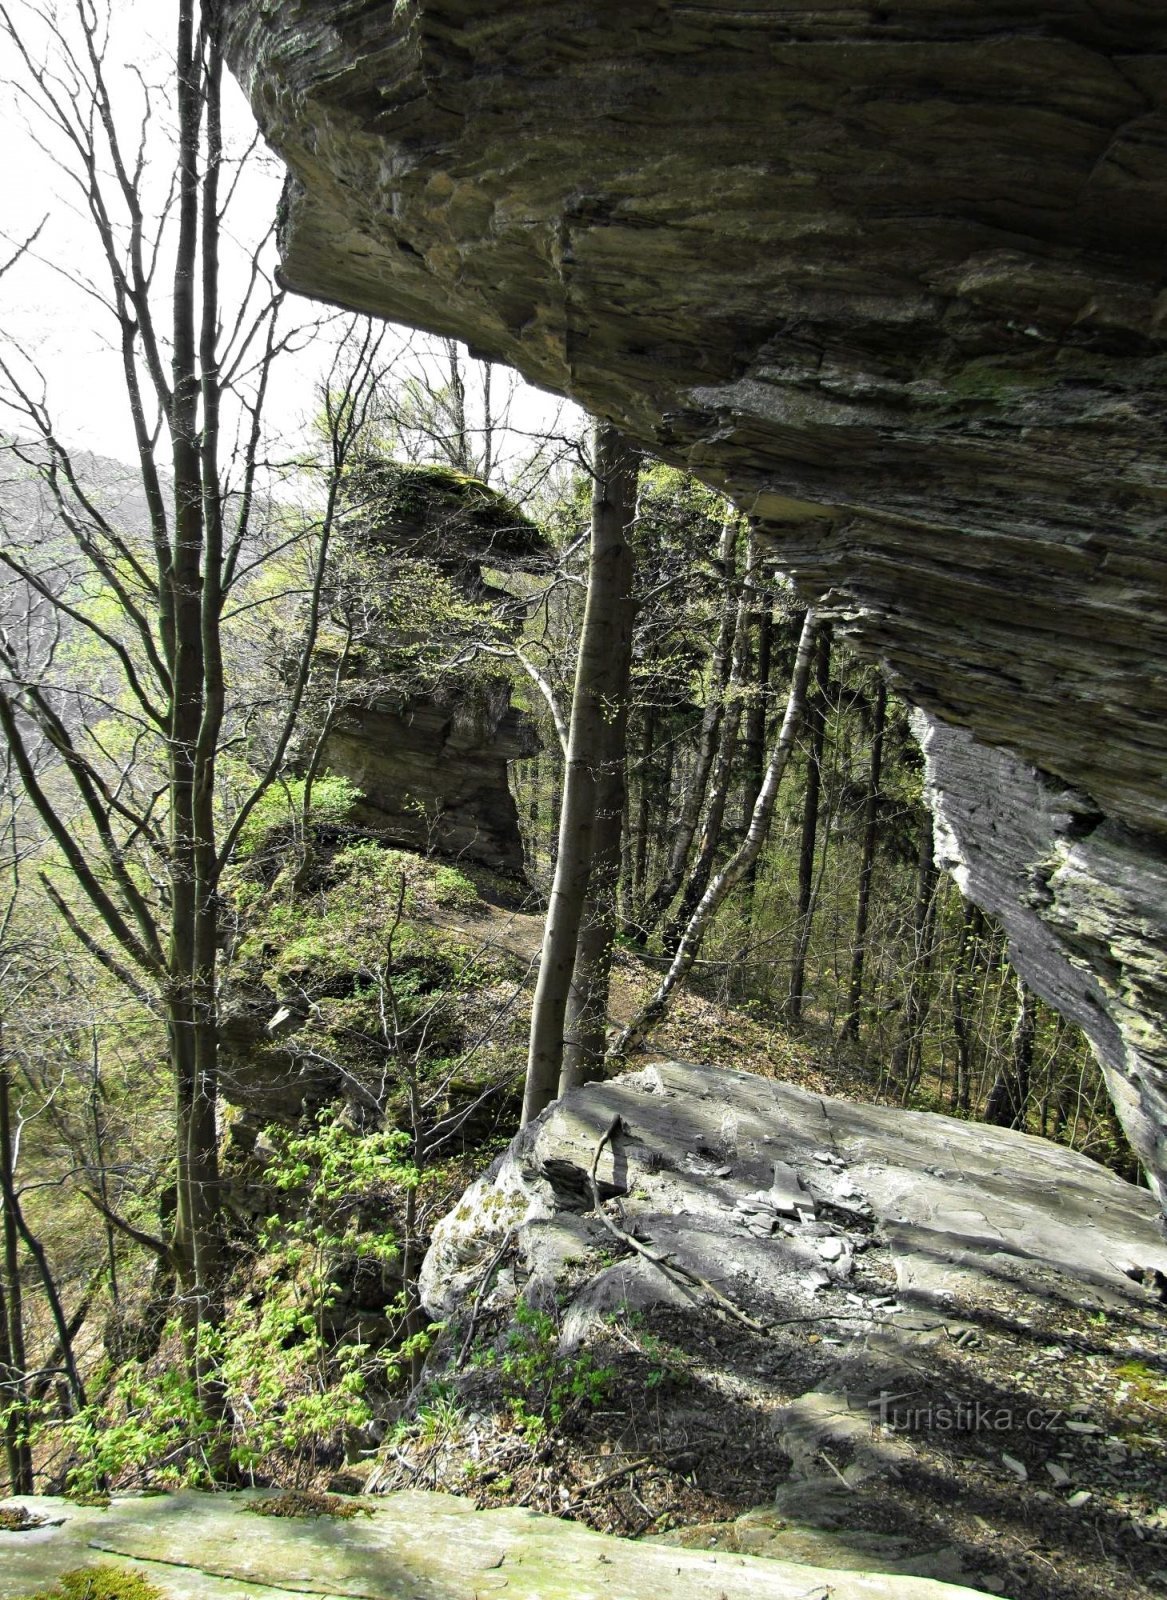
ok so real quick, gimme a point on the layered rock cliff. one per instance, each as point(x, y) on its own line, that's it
point(891, 274)
point(428, 746)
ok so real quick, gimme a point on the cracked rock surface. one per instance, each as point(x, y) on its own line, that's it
point(891, 275)
point(882, 1294)
point(769, 1193)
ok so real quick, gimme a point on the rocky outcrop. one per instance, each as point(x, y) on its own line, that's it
point(770, 1194)
point(928, 1264)
point(430, 758)
point(433, 773)
point(891, 275)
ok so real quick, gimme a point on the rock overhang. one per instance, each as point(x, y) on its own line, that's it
point(891, 276)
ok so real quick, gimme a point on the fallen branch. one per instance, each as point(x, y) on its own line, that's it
point(678, 1274)
point(478, 1298)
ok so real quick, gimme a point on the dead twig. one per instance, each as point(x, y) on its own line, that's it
point(480, 1293)
point(672, 1270)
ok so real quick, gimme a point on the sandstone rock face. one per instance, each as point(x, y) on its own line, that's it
point(430, 758)
point(891, 275)
point(434, 776)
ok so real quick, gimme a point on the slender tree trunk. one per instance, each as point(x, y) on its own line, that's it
point(739, 863)
point(720, 781)
point(963, 979)
point(16, 1228)
point(585, 1037)
point(755, 728)
point(1009, 1097)
point(13, 1362)
point(643, 812)
point(906, 1054)
point(816, 717)
point(867, 862)
point(708, 742)
point(609, 588)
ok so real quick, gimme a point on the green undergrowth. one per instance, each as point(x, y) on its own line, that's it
point(414, 1030)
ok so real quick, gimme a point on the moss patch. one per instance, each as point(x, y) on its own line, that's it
point(18, 1519)
point(307, 1503)
point(101, 1583)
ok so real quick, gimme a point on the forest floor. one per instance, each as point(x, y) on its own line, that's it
point(667, 1425)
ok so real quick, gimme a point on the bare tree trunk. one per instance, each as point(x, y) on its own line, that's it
point(585, 1035)
point(867, 863)
point(907, 1052)
point(708, 742)
point(963, 978)
point(609, 589)
point(1009, 1097)
point(16, 1229)
point(816, 717)
point(755, 728)
point(720, 781)
point(739, 863)
point(643, 812)
point(13, 1362)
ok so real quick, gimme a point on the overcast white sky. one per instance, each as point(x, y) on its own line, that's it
point(61, 327)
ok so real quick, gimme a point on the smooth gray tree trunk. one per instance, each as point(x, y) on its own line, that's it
point(589, 739)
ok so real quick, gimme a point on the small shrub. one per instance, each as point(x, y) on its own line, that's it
point(541, 1385)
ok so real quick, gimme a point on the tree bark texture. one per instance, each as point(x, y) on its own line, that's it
point(608, 606)
point(816, 718)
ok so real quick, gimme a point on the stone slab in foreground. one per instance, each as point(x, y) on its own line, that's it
point(412, 1546)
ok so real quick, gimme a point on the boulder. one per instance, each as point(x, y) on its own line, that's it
point(765, 1193)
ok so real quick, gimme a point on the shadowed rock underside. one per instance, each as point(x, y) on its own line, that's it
point(889, 274)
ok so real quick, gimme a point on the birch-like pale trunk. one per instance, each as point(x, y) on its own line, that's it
point(738, 865)
point(665, 892)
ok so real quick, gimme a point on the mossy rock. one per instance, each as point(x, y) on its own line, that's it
point(464, 519)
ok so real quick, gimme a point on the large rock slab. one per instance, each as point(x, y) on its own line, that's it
point(409, 1546)
point(889, 274)
point(767, 1192)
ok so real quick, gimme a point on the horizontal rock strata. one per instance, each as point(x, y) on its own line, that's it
point(891, 275)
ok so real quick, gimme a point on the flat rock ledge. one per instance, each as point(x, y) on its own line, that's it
point(409, 1546)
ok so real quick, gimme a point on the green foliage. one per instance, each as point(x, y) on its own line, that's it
point(285, 1384)
point(101, 1583)
point(540, 1385)
point(331, 1174)
point(279, 812)
point(152, 1427)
